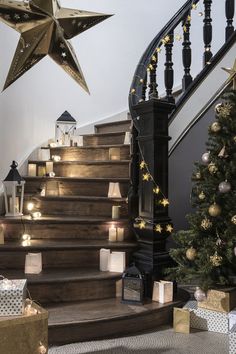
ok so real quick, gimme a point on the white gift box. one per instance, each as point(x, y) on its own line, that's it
point(104, 259)
point(44, 154)
point(162, 291)
point(33, 263)
point(232, 343)
point(117, 262)
point(207, 320)
point(232, 321)
point(12, 297)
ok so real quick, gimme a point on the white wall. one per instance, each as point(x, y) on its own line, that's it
point(108, 54)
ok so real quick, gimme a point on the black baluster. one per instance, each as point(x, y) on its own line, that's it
point(169, 72)
point(153, 79)
point(207, 32)
point(187, 52)
point(133, 197)
point(229, 12)
point(144, 87)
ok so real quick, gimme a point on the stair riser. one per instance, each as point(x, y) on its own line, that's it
point(76, 208)
point(54, 258)
point(73, 291)
point(116, 127)
point(83, 188)
point(104, 140)
point(63, 231)
point(77, 154)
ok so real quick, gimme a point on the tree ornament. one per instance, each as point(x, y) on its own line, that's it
point(212, 168)
point(218, 242)
point(216, 260)
point(202, 196)
point(224, 187)
point(206, 157)
point(191, 253)
point(218, 107)
point(215, 127)
point(235, 250)
point(199, 294)
point(233, 219)
point(198, 175)
point(45, 29)
point(214, 210)
point(206, 224)
point(223, 153)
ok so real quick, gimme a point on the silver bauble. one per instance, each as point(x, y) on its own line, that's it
point(199, 294)
point(205, 158)
point(224, 187)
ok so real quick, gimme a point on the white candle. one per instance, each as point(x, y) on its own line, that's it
point(1, 235)
point(49, 166)
point(120, 234)
point(104, 259)
point(127, 140)
point(44, 154)
point(112, 234)
point(114, 154)
point(32, 168)
point(115, 212)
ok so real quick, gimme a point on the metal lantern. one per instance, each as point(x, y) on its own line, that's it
point(132, 286)
point(65, 128)
point(14, 192)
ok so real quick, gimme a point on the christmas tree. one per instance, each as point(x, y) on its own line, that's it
point(207, 251)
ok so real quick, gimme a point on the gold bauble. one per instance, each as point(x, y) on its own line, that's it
point(214, 210)
point(215, 127)
point(198, 175)
point(202, 196)
point(216, 260)
point(206, 224)
point(212, 168)
point(191, 253)
point(233, 219)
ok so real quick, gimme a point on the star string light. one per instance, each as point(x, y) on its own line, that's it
point(158, 227)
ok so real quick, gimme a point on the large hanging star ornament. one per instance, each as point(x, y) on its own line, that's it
point(232, 74)
point(46, 29)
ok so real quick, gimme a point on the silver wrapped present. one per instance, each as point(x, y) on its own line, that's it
point(232, 321)
point(232, 343)
point(12, 297)
point(207, 320)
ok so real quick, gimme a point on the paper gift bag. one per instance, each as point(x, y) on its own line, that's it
point(33, 263)
point(114, 190)
point(162, 291)
point(117, 262)
point(181, 321)
point(104, 259)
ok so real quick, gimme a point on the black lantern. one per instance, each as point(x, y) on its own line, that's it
point(65, 128)
point(132, 286)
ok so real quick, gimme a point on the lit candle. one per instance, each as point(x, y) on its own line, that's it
point(49, 166)
point(104, 259)
point(56, 158)
point(120, 234)
point(41, 171)
point(115, 212)
point(1, 235)
point(112, 234)
point(36, 215)
point(32, 168)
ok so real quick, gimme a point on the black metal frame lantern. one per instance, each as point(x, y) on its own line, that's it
point(65, 128)
point(132, 286)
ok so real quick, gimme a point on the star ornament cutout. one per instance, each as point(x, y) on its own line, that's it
point(45, 29)
point(232, 74)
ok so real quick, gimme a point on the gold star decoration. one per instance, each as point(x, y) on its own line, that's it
point(45, 29)
point(165, 202)
point(232, 75)
point(146, 177)
point(158, 228)
point(142, 165)
point(169, 228)
point(142, 225)
point(156, 190)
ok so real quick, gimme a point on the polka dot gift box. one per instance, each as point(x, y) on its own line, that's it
point(12, 297)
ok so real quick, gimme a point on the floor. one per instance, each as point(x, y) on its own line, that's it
point(164, 341)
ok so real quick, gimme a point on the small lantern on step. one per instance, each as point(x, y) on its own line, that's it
point(132, 286)
point(14, 192)
point(65, 129)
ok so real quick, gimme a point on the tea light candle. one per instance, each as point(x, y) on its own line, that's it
point(32, 168)
point(115, 212)
point(120, 234)
point(36, 215)
point(49, 166)
point(56, 158)
point(112, 234)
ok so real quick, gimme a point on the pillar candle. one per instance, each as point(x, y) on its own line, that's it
point(104, 259)
point(1, 235)
point(32, 168)
point(115, 212)
point(41, 171)
point(49, 166)
point(120, 234)
point(112, 234)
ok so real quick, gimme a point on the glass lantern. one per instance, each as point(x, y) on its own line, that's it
point(14, 192)
point(65, 129)
point(132, 286)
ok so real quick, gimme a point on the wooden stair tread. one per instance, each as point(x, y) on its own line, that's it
point(100, 310)
point(77, 197)
point(92, 162)
point(66, 245)
point(87, 147)
point(111, 124)
point(61, 220)
point(104, 134)
point(61, 275)
point(79, 179)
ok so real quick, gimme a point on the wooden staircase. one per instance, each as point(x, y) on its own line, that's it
point(73, 228)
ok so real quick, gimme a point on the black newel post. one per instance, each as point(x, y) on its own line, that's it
point(207, 32)
point(229, 12)
point(187, 53)
point(152, 257)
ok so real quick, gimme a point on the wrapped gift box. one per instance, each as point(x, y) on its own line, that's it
point(206, 319)
point(232, 321)
point(232, 343)
point(26, 334)
point(12, 297)
point(220, 300)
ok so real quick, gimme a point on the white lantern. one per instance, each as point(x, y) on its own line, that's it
point(65, 129)
point(14, 192)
